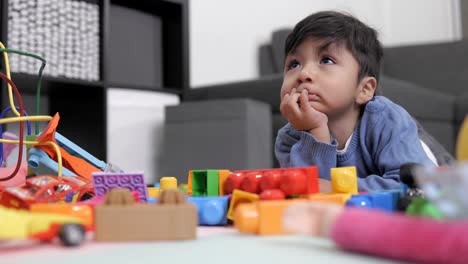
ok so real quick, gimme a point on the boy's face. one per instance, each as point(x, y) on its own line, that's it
point(329, 74)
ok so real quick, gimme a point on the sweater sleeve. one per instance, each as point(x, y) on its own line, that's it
point(295, 148)
point(392, 139)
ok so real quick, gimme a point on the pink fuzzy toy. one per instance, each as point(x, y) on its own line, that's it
point(374, 232)
point(402, 237)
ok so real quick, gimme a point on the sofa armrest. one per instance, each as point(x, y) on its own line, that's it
point(434, 110)
point(265, 89)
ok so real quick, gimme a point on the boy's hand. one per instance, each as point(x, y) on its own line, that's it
point(325, 185)
point(302, 116)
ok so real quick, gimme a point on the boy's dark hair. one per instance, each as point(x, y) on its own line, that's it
point(360, 39)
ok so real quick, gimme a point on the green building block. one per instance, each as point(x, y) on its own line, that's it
point(422, 207)
point(205, 183)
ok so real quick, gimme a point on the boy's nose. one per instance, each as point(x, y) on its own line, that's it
point(306, 74)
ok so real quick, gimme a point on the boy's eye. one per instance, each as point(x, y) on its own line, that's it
point(293, 64)
point(327, 60)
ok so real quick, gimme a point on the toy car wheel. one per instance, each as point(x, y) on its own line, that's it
point(71, 234)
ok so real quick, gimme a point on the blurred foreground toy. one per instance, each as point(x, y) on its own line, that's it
point(379, 233)
point(262, 217)
point(120, 219)
point(46, 188)
point(446, 188)
point(20, 224)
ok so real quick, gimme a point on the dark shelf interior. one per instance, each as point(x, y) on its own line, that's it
point(143, 46)
point(160, 56)
point(82, 112)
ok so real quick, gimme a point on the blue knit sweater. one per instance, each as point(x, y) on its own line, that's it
point(384, 138)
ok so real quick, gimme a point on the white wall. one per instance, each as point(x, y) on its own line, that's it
point(225, 34)
point(134, 129)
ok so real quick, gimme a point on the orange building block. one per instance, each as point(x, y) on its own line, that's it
point(189, 183)
point(338, 198)
point(239, 197)
point(344, 180)
point(223, 175)
point(262, 217)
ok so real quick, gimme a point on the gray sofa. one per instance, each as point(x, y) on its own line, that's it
point(430, 81)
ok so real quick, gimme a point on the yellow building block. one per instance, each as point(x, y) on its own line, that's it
point(344, 180)
point(338, 198)
point(153, 191)
point(462, 142)
point(168, 183)
point(239, 197)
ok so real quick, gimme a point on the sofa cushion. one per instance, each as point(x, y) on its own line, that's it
point(418, 101)
point(265, 89)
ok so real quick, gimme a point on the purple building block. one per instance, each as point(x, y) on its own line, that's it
point(105, 181)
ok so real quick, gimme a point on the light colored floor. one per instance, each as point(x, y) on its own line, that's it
point(213, 245)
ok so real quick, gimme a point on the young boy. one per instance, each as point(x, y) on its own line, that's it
point(334, 120)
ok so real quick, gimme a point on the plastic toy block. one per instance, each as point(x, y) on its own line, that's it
point(205, 183)
point(167, 183)
point(143, 222)
point(272, 194)
point(223, 175)
point(344, 180)
point(262, 217)
point(76, 151)
point(233, 182)
point(378, 200)
point(104, 182)
point(41, 164)
point(170, 219)
point(239, 197)
point(421, 207)
point(153, 192)
point(189, 183)
point(183, 188)
point(211, 210)
point(292, 181)
point(338, 198)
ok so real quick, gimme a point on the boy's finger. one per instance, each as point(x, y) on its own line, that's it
point(304, 100)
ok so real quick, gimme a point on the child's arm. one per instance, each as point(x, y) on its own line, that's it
point(391, 140)
point(375, 232)
point(300, 149)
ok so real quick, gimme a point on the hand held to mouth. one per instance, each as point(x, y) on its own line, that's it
point(296, 108)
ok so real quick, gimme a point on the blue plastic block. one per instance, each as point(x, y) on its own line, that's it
point(211, 210)
point(76, 151)
point(385, 200)
point(360, 200)
point(41, 164)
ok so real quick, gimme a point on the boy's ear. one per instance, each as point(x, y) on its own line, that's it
point(366, 90)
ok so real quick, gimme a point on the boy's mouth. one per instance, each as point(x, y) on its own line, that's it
point(313, 97)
